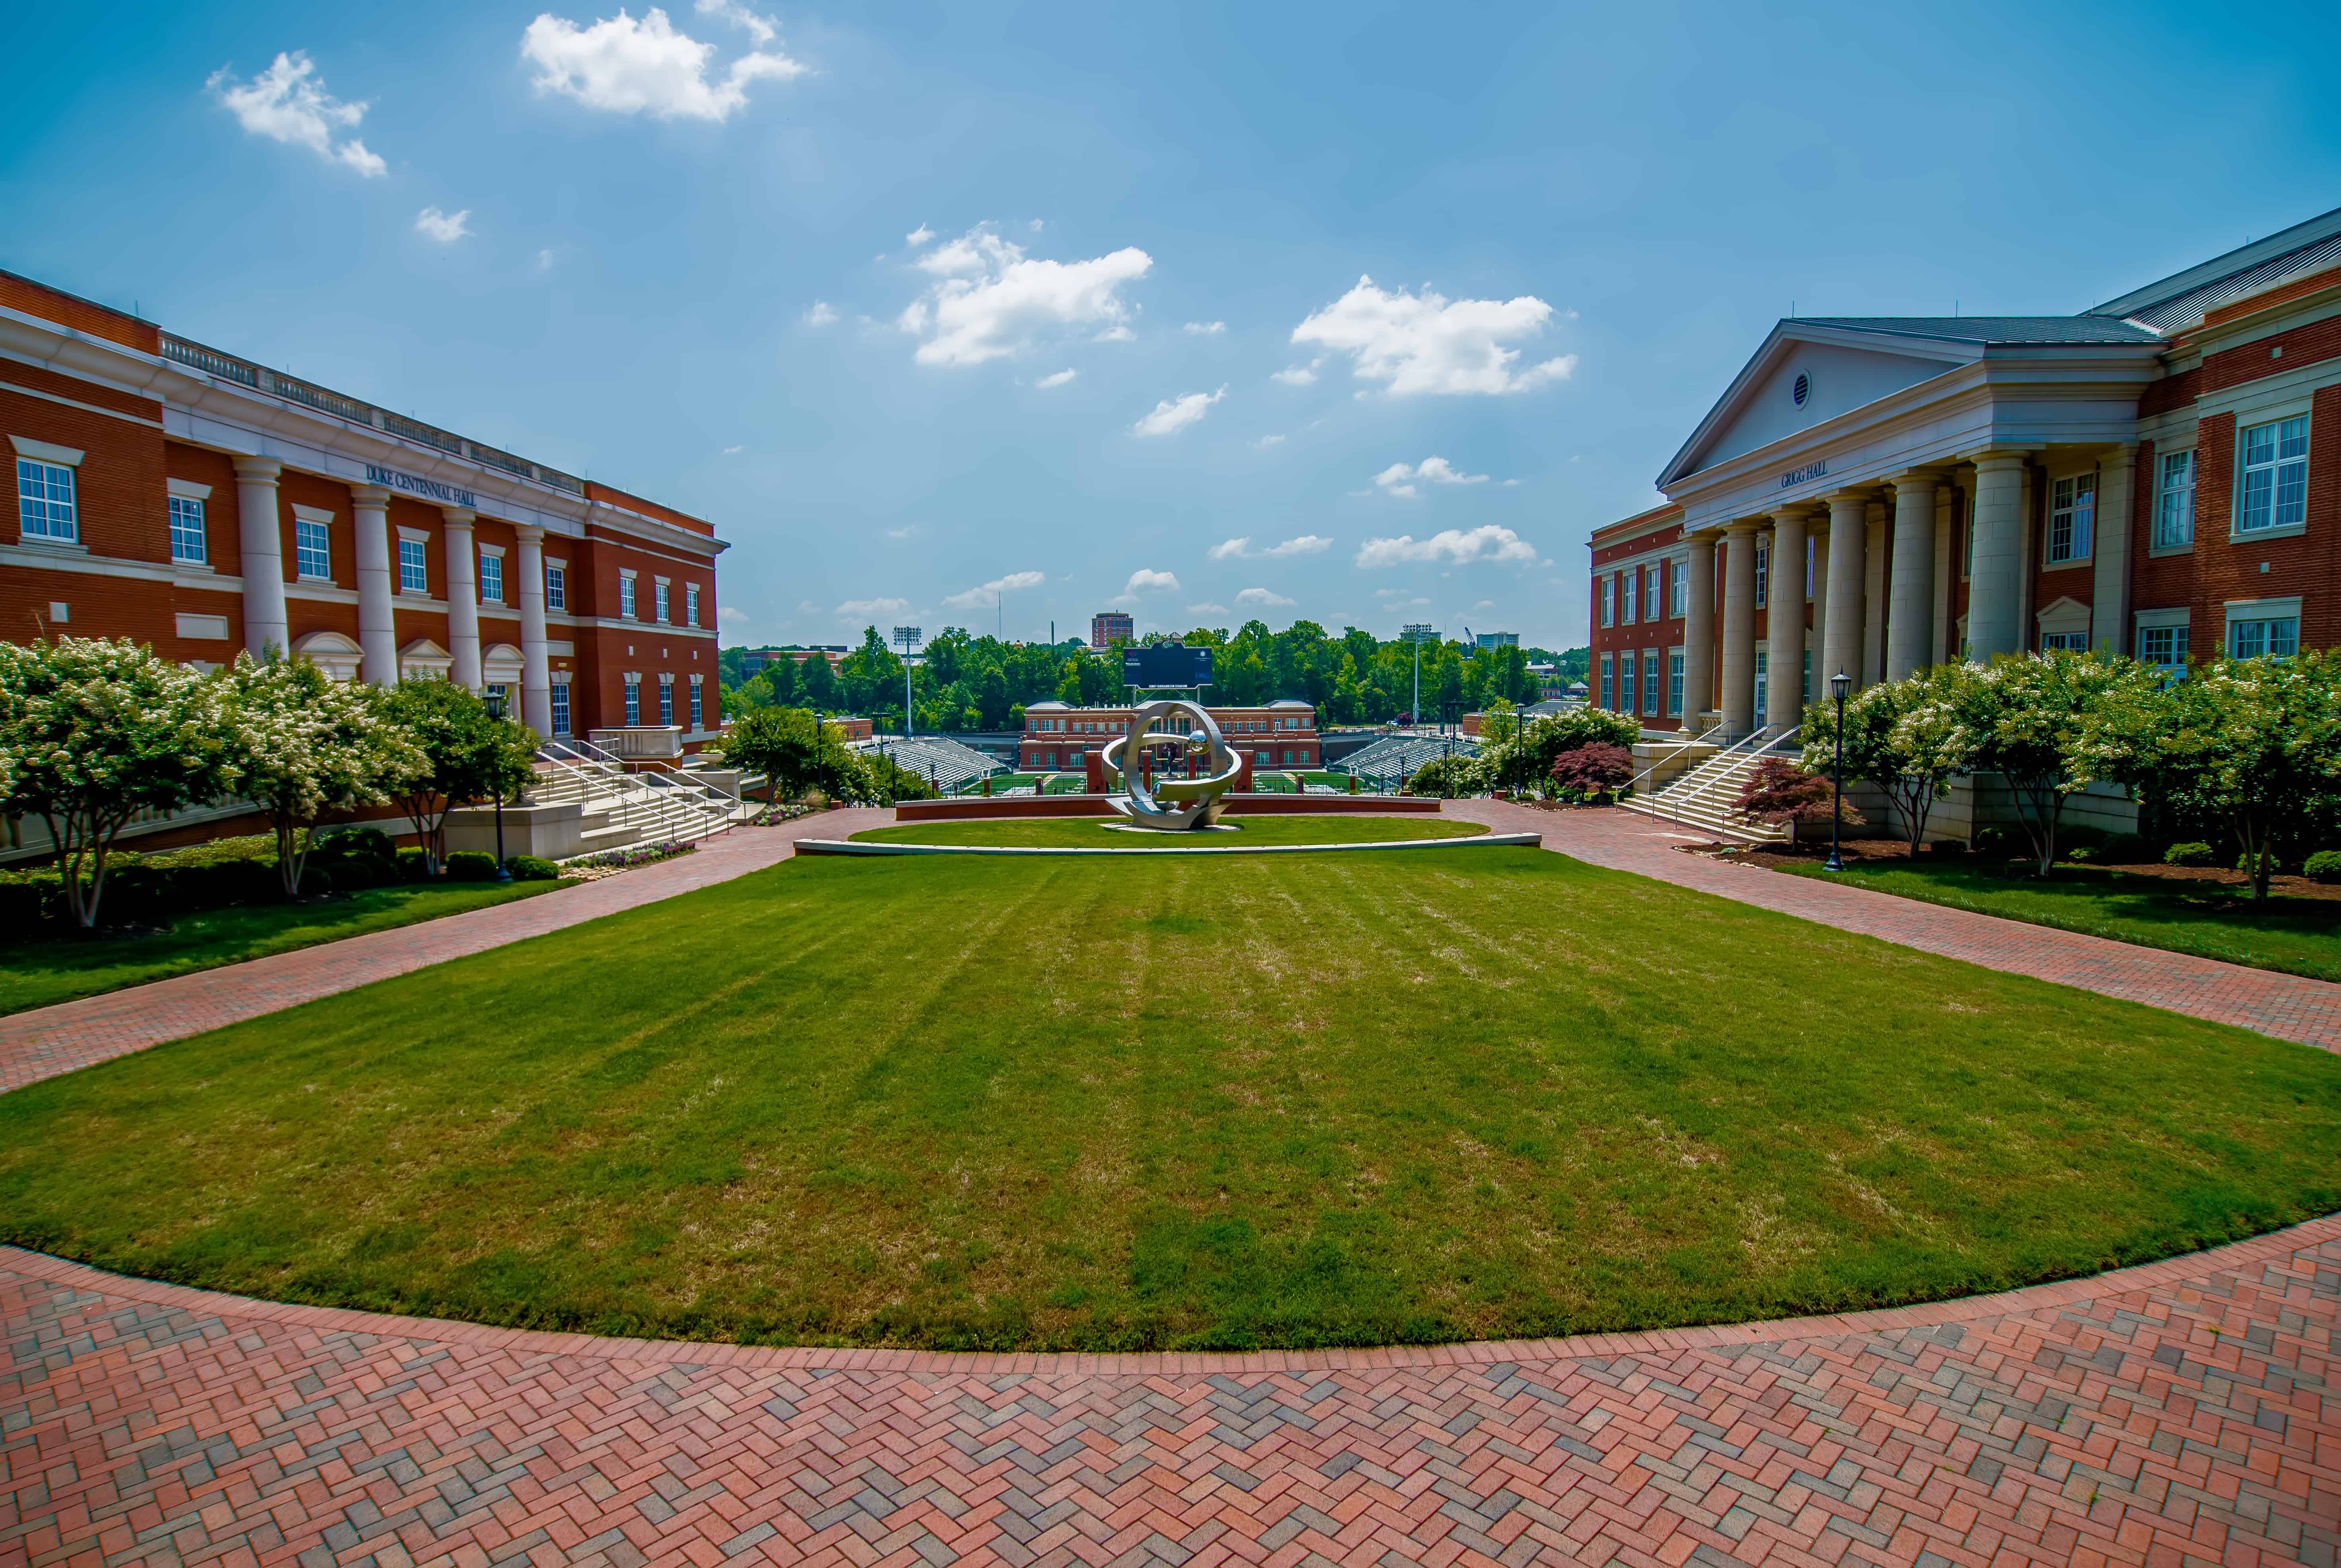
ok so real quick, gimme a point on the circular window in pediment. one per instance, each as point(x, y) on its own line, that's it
point(1802, 390)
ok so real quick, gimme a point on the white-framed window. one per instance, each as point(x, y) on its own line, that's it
point(1679, 599)
point(1608, 602)
point(2173, 500)
point(1763, 572)
point(556, 586)
point(1626, 683)
point(1674, 682)
point(2077, 642)
point(46, 507)
point(1763, 682)
point(1654, 599)
point(188, 541)
point(2275, 475)
point(666, 698)
point(659, 602)
point(2072, 518)
point(626, 594)
point(414, 570)
point(633, 698)
point(492, 579)
point(1651, 681)
point(2262, 637)
point(2165, 648)
point(691, 604)
point(313, 550)
point(696, 711)
point(561, 706)
point(1629, 584)
point(1609, 682)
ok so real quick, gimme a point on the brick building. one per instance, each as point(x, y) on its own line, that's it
point(1061, 739)
point(1108, 627)
point(2159, 476)
point(172, 493)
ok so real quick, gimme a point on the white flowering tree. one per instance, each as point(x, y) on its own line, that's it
point(1907, 737)
point(469, 755)
point(2031, 719)
point(303, 744)
point(93, 731)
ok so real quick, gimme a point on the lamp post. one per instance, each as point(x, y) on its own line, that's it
point(1840, 685)
point(497, 713)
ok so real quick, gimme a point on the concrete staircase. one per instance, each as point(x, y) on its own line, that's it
point(1707, 796)
point(622, 808)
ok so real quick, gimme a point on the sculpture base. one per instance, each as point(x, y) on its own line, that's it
point(1197, 827)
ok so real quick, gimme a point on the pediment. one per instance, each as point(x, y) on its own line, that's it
point(1799, 380)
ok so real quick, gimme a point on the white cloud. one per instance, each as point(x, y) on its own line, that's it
point(1205, 328)
point(902, 532)
point(1306, 544)
point(1484, 604)
point(1260, 598)
point(989, 300)
point(1172, 415)
point(631, 67)
point(731, 614)
point(1207, 608)
point(1229, 549)
point(1298, 375)
point(544, 261)
point(1058, 380)
point(1399, 478)
point(821, 314)
point(1269, 440)
point(982, 598)
point(286, 104)
point(918, 236)
point(1427, 343)
point(444, 227)
point(1145, 579)
point(863, 609)
point(807, 606)
point(1449, 547)
point(760, 28)
point(734, 451)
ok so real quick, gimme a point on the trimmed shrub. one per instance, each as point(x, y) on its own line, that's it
point(471, 865)
point(533, 868)
point(413, 866)
point(2325, 866)
point(1597, 767)
point(1779, 791)
point(2190, 854)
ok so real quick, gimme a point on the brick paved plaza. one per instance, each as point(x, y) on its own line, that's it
point(2181, 1412)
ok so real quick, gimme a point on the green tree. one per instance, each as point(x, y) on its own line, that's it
point(469, 756)
point(1907, 737)
point(818, 684)
point(92, 731)
point(2029, 717)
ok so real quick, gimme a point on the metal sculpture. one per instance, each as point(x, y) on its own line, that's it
point(1168, 803)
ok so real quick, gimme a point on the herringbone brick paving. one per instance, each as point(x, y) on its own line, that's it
point(2176, 1413)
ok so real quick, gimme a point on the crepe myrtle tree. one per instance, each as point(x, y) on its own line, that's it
point(93, 731)
point(304, 745)
point(2029, 716)
point(469, 754)
point(2253, 742)
point(783, 744)
point(1907, 737)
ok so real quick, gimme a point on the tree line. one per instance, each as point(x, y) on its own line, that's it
point(970, 682)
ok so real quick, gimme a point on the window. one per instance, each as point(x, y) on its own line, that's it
point(695, 709)
point(556, 587)
point(2274, 637)
point(2174, 504)
point(313, 550)
point(44, 500)
point(2072, 517)
point(1651, 682)
point(2077, 642)
point(1681, 596)
point(1609, 606)
point(1627, 582)
point(1626, 683)
point(666, 698)
point(1654, 596)
point(1674, 682)
point(2164, 647)
point(634, 700)
point(2275, 476)
point(187, 532)
point(626, 595)
point(1763, 683)
point(659, 602)
point(1808, 675)
point(492, 579)
point(691, 604)
point(414, 576)
point(1609, 683)
point(1763, 572)
point(561, 707)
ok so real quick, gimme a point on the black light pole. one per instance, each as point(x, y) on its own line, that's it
point(504, 872)
point(1840, 684)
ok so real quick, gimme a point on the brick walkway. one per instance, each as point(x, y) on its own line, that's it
point(2287, 1007)
point(2182, 1413)
point(46, 1041)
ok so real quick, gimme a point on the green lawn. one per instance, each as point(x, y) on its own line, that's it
point(35, 974)
point(1284, 1100)
point(2297, 936)
point(1093, 832)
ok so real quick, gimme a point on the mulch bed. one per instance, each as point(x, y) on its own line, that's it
point(1881, 851)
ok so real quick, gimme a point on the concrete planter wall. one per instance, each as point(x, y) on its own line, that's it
point(550, 832)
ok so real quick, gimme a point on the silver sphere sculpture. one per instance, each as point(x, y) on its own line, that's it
point(1171, 804)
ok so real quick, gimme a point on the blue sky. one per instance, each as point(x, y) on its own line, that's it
point(686, 261)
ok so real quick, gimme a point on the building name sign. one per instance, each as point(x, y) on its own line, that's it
point(453, 495)
point(1796, 476)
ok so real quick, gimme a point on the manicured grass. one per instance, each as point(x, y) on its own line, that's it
point(1093, 832)
point(1173, 1102)
point(2297, 936)
point(36, 974)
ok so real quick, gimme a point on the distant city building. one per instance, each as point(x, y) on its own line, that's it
point(753, 661)
point(1498, 639)
point(1061, 739)
point(1109, 626)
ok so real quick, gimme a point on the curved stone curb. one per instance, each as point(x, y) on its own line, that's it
point(2030, 1298)
point(1478, 841)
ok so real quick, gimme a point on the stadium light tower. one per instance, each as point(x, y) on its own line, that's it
point(907, 638)
point(1417, 633)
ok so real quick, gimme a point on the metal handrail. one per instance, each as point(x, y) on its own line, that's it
point(633, 790)
point(1681, 748)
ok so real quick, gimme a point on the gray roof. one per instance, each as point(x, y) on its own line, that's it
point(1992, 329)
point(2177, 301)
point(1291, 702)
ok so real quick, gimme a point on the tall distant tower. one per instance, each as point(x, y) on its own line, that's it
point(1106, 625)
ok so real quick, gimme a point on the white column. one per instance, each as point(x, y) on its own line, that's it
point(535, 671)
point(1994, 585)
point(260, 540)
point(1943, 643)
point(1848, 571)
point(462, 598)
point(1817, 638)
point(1699, 634)
point(1739, 629)
point(1785, 621)
point(2109, 585)
point(1909, 616)
point(1874, 537)
point(377, 623)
